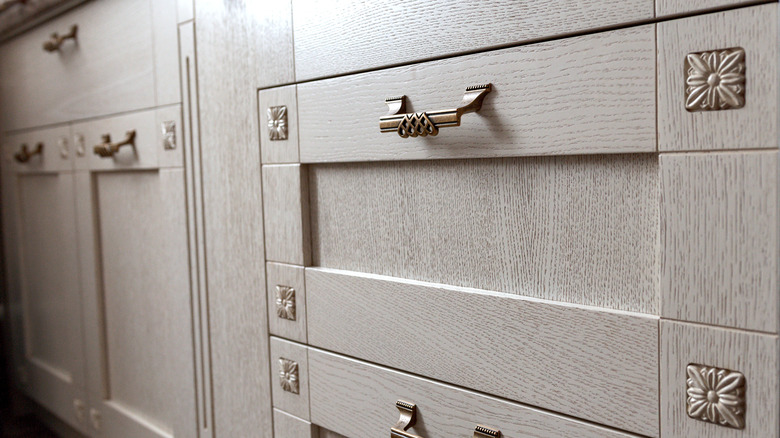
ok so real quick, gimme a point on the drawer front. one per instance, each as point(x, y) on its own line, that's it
point(43, 150)
point(356, 399)
point(137, 138)
point(540, 353)
point(110, 68)
point(674, 7)
point(585, 95)
point(358, 35)
point(717, 81)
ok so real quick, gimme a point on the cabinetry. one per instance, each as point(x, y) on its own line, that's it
point(104, 285)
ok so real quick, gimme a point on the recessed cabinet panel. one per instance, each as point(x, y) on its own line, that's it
point(50, 292)
point(146, 309)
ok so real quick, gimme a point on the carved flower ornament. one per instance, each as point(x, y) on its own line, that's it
point(716, 396)
point(715, 80)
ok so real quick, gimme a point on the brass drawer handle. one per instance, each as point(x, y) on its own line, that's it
point(25, 154)
point(6, 5)
point(408, 416)
point(56, 40)
point(428, 122)
point(108, 149)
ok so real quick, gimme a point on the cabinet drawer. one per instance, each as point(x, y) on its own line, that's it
point(43, 150)
point(109, 68)
point(358, 35)
point(540, 353)
point(585, 95)
point(356, 399)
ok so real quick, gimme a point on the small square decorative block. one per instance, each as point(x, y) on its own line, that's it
point(288, 375)
point(169, 134)
point(715, 80)
point(277, 122)
point(716, 395)
point(285, 302)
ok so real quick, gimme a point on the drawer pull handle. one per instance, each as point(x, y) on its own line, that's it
point(56, 40)
point(25, 154)
point(408, 416)
point(428, 122)
point(108, 149)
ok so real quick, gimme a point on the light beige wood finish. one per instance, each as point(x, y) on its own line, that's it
point(325, 433)
point(754, 355)
point(141, 350)
point(57, 150)
point(279, 151)
point(289, 426)
point(185, 10)
point(111, 69)
point(286, 213)
point(278, 274)
point(675, 7)
point(357, 399)
point(355, 35)
point(584, 95)
point(576, 229)
point(755, 29)
point(719, 239)
point(241, 45)
point(295, 403)
point(536, 352)
point(189, 145)
point(52, 366)
point(148, 152)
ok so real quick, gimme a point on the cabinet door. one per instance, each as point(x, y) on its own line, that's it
point(133, 228)
point(42, 249)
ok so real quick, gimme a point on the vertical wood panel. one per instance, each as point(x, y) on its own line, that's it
point(286, 214)
point(241, 45)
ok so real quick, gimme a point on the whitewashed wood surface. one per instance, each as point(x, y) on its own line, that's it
point(576, 229)
point(357, 35)
point(543, 354)
point(286, 214)
point(357, 400)
point(584, 95)
point(674, 7)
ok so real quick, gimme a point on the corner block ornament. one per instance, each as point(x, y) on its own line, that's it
point(716, 395)
point(715, 80)
point(277, 122)
point(285, 302)
point(288, 375)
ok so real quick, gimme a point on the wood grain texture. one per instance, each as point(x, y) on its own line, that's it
point(576, 229)
point(295, 404)
point(356, 35)
point(286, 214)
point(719, 239)
point(754, 355)
point(584, 95)
point(675, 7)
point(755, 29)
point(357, 399)
point(166, 51)
point(549, 355)
point(109, 70)
point(278, 274)
point(290, 426)
point(279, 151)
point(146, 310)
point(236, 41)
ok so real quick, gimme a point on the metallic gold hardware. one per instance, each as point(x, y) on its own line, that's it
point(408, 416)
point(288, 375)
point(56, 40)
point(277, 122)
point(25, 154)
point(486, 432)
point(428, 122)
point(6, 5)
point(169, 134)
point(285, 302)
point(108, 149)
point(715, 80)
point(715, 395)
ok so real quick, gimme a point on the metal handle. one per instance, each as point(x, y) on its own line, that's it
point(56, 40)
point(408, 416)
point(25, 154)
point(6, 5)
point(429, 122)
point(108, 149)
